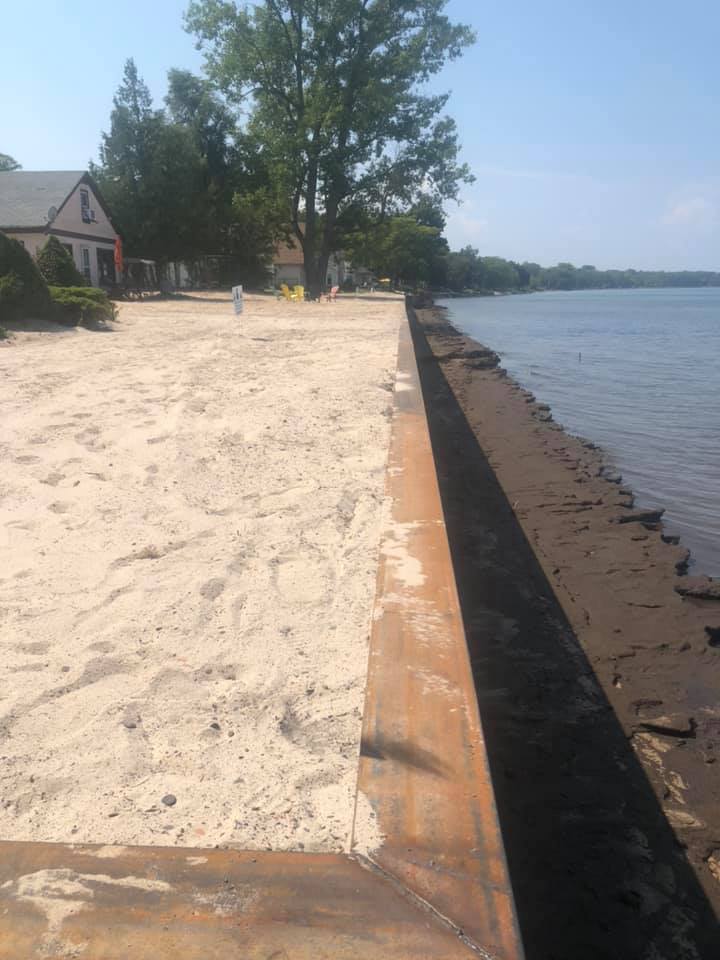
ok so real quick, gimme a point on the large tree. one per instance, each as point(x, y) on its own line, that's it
point(336, 101)
point(242, 217)
point(8, 163)
point(151, 173)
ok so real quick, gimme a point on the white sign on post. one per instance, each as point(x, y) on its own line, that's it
point(238, 299)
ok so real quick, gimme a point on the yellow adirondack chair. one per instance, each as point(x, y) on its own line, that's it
point(298, 294)
point(285, 291)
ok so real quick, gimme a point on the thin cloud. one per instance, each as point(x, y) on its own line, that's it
point(693, 211)
point(464, 229)
point(490, 170)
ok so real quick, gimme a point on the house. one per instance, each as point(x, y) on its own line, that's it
point(66, 204)
point(289, 267)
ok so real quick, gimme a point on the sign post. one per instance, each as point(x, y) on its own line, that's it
point(237, 293)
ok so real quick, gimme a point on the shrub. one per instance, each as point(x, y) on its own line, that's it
point(11, 289)
point(23, 292)
point(74, 305)
point(57, 266)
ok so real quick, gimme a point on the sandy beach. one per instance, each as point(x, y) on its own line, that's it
point(190, 507)
point(597, 667)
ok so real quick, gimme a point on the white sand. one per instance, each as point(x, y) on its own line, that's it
point(190, 509)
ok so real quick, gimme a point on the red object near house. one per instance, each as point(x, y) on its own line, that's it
point(119, 257)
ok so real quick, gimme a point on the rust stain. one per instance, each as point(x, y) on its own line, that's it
point(63, 901)
point(424, 767)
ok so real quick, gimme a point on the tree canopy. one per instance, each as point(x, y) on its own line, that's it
point(336, 104)
point(467, 272)
point(8, 163)
point(177, 178)
point(150, 172)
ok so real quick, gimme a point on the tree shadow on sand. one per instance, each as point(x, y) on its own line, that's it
point(49, 326)
point(597, 871)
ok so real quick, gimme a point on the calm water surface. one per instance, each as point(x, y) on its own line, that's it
point(636, 371)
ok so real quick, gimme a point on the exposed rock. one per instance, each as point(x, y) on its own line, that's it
point(482, 359)
point(641, 516)
point(713, 634)
point(680, 818)
point(672, 539)
point(169, 800)
point(610, 475)
point(643, 705)
point(675, 725)
point(699, 588)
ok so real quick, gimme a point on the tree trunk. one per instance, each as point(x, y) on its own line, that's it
point(314, 280)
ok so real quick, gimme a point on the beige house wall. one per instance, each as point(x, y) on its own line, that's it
point(69, 219)
point(31, 241)
point(289, 273)
point(34, 241)
point(292, 273)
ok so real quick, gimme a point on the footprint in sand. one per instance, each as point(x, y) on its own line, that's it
point(302, 581)
point(89, 439)
point(27, 459)
point(212, 589)
point(37, 648)
point(59, 507)
point(53, 479)
point(103, 646)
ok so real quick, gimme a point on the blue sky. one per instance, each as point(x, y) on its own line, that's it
point(593, 128)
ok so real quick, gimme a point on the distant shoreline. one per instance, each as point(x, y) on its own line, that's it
point(483, 294)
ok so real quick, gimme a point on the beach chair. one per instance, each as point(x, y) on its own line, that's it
point(332, 295)
point(298, 294)
point(285, 291)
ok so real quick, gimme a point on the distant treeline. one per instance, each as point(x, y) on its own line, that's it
point(467, 272)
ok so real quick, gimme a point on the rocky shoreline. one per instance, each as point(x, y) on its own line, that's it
point(562, 531)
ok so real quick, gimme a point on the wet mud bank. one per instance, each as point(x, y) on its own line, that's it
point(597, 666)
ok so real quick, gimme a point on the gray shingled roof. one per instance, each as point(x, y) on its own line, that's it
point(26, 196)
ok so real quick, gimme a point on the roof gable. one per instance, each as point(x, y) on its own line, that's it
point(26, 196)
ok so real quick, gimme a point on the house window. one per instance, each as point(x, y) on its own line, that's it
point(85, 261)
point(85, 206)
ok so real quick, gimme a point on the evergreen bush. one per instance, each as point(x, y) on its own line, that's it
point(73, 305)
point(23, 292)
point(57, 266)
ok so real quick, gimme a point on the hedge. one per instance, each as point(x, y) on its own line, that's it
point(74, 305)
point(57, 266)
point(23, 292)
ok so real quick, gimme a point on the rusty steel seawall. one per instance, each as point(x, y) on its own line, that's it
point(436, 886)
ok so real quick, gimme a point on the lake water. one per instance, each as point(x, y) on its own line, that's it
point(636, 371)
